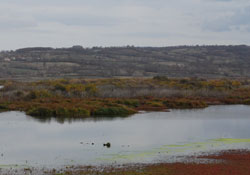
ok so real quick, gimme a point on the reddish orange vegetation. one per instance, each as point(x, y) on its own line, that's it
point(231, 163)
point(81, 98)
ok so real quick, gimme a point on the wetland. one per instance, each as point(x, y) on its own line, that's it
point(28, 141)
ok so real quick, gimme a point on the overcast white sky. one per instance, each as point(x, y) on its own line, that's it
point(63, 23)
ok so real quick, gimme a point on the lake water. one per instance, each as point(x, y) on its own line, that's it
point(145, 137)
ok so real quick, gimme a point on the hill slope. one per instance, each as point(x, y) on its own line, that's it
point(182, 61)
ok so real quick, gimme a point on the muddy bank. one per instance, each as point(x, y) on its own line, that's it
point(221, 163)
point(231, 162)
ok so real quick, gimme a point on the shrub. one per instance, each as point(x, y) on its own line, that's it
point(41, 112)
point(58, 112)
point(91, 89)
point(62, 112)
point(60, 87)
point(3, 107)
point(184, 81)
point(38, 94)
point(184, 104)
point(78, 112)
point(161, 78)
point(134, 103)
point(247, 102)
point(32, 95)
point(113, 111)
point(19, 93)
point(131, 103)
point(155, 104)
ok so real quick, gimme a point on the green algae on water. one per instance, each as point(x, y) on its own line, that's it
point(212, 144)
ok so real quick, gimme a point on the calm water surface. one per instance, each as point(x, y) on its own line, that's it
point(144, 137)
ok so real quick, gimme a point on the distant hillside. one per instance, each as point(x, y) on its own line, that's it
point(181, 61)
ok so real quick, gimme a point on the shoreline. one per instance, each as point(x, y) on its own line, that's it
point(56, 108)
point(227, 162)
point(81, 98)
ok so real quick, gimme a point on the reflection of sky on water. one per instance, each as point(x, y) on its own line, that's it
point(24, 138)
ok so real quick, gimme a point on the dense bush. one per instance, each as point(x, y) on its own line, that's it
point(38, 94)
point(58, 112)
point(78, 112)
point(129, 102)
point(184, 104)
point(247, 102)
point(60, 87)
point(161, 78)
point(41, 112)
point(118, 111)
point(19, 93)
point(3, 107)
point(155, 104)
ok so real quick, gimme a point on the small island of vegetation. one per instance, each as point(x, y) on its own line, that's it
point(80, 98)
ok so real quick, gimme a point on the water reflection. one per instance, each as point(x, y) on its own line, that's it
point(63, 120)
point(51, 142)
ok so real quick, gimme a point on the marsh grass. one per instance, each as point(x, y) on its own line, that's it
point(76, 98)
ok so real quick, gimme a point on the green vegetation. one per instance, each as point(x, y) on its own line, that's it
point(3, 107)
point(80, 98)
point(113, 111)
point(41, 112)
point(184, 104)
point(59, 112)
point(247, 102)
point(129, 102)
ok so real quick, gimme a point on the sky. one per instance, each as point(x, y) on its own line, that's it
point(64, 23)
